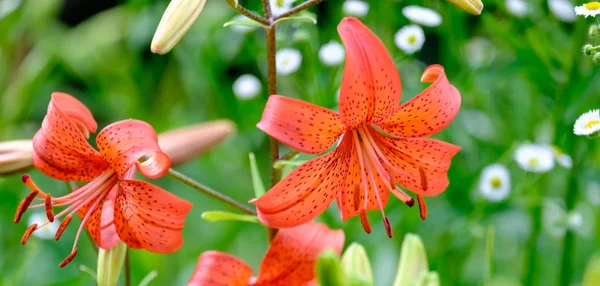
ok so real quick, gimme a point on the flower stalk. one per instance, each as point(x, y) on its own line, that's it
point(110, 263)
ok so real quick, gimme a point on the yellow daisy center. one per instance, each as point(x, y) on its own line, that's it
point(496, 182)
point(592, 122)
point(412, 39)
point(592, 5)
point(533, 162)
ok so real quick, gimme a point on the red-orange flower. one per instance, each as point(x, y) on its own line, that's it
point(380, 144)
point(289, 260)
point(112, 205)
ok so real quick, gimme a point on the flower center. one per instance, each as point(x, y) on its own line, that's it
point(595, 5)
point(496, 182)
point(591, 123)
point(412, 39)
point(533, 162)
point(84, 201)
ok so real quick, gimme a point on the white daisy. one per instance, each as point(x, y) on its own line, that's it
point(537, 158)
point(421, 15)
point(8, 6)
point(588, 9)
point(478, 52)
point(332, 53)
point(494, 183)
point(562, 9)
point(519, 8)
point(554, 217)
point(588, 123)
point(279, 7)
point(288, 61)
point(246, 87)
point(582, 220)
point(410, 38)
point(46, 232)
point(355, 8)
point(240, 28)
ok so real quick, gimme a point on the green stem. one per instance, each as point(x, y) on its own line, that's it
point(127, 269)
point(298, 8)
point(529, 273)
point(566, 270)
point(208, 191)
point(236, 6)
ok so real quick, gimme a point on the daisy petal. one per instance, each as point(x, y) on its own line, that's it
point(301, 125)
point(291, 257)
point(430, 111)
point(218, 268)
point(124, 143)
point(149, 217)
point(61, 150)
point(371, 86)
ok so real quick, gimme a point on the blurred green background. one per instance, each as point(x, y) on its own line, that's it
point(529, 81)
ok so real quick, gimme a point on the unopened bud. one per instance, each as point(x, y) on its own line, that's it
point(591, 276)
point(15, 156)
point(175, 22)
point(593, 31)
point(356, 265)
point(186, 143)
point(470, 6)
point(413, 261)
point(329, 271)
point(110, 263)
point(588, 49)
point(596, 58)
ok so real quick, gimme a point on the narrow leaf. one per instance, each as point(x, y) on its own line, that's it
point(259, 187)
point(221, 215)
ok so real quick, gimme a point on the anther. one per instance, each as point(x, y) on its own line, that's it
point(29, 182)
point(356, 196)
point(422, 207)
point(410, 202)
point(28, 233)
point(61, 228)
point(24, 205)
point(48, 205)
point(365, 221)
point(68, 259)
point(388, 226)
point(424, 185)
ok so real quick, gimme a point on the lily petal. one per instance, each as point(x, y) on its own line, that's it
point(124, 143)
point(371, 87)
point(417, 157)
point(217, 268)
point(301, 125)
point(291, 257)
point(61, 150)
point(149, 217)
point(306, 192)
point(100, 224)
point(430, 111)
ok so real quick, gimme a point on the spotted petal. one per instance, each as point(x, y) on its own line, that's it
point(219, 269)
point(291, 257)
point(124, 143)
point(301, 125)
point(60, 147)
point(100, 223)
point(306, 192)
point(371, 87)
point(149, 217)
point(430, 111)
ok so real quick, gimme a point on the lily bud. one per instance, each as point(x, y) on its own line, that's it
point(175, 22)
point(591, 276)
point(186, 143)
point(110, 263)
point(329, 271)
point(15, 156)
point(593, 31)
point(470, 6)
point(413, 261)
point(356, 265)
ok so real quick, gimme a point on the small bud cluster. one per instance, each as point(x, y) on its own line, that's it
point(592, 50)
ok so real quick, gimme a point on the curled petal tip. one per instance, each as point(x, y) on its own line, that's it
point(470, 6)
point(431, 73)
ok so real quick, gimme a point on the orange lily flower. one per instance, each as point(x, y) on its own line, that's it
point(290, 259)
point(381, 142)
point(112, 205)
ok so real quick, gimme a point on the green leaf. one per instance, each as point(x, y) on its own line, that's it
point(257, 183)
point(303, 18)
point(149, 278)
point(244, 22)
point(221, 215)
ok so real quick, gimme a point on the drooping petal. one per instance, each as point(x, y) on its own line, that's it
point(371, 87)
point(124, 143)
point(418, 158)
point(291, 257)
point(100, 224)
point(430, 111)
point(301, 125)
point(149, 217)
point(219, 269)
point(306, 192)
point(60, 148)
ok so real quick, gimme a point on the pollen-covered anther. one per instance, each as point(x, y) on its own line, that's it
point(365, 221)
point(356, 196)
point(24, 205)
point(31, 185)
point(48, 206)
point(61, 228)
point(423, 176)
point(388, 226)
point(68, 259)
point(410, 202)
point(422, 207)
point(28, 233)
